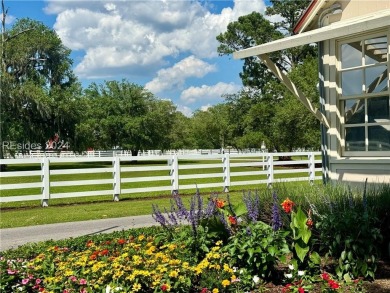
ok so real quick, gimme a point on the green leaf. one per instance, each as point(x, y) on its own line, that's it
point(315, 258)
point(347, 278)
point(240, 209)
point(301, 251)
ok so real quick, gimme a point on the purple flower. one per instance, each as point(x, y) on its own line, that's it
point(210, 209)
point(159, 217)
point(252, 205)
point(276, 218)
point(181, 212)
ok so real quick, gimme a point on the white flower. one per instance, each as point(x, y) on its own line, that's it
point(288, 276)
point(256, 279)
point(108, 289)
point(291, 267)
point(235, 269)
point(301, 273)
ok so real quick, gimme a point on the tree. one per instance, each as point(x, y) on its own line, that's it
point(248, 31)
point(181, 136)
point(262, 111)
point(125, 115)
point(39, 91)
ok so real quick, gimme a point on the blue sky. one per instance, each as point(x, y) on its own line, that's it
point(168, 46)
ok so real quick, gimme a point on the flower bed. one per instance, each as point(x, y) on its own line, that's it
point(251, 246)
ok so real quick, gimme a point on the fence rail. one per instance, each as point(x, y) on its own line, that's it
point(264, 169)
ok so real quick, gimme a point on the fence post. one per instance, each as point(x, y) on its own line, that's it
point(117, 178)
point(226, 172)
point(270, 169)
point(312, 166)
point(174, 172)
point(45, 178)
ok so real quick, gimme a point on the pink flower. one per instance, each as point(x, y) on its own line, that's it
point(73, 278)
point(83, 281)
point(25, 281)
point(83, 290)
point(38, 281)
point(11, 272)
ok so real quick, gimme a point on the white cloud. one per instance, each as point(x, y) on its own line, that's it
point(8, 18)
point(205, 108)
point(125, 37)
point(175, 76)
point(185, 110)
point(207, 93)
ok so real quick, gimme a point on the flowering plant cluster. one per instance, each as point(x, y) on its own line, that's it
point(122, 265)
point(222, 247)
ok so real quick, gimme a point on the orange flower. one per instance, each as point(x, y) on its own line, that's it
point(287, 205)
point(121, 241)
point(219, 203)
point(232, 220)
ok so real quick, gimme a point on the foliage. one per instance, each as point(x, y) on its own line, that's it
point(39, 92)
point(125, 115)
point(257, 248)
point(353, 241)
point(193, 258)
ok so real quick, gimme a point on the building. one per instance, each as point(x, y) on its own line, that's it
point(353, 43)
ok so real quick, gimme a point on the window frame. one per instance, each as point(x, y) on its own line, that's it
point(366, 96)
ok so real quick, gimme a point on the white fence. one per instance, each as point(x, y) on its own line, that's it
point(124, 153)
point(263, 168)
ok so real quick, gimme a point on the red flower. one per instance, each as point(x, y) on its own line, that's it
point(287, 205)
point(232, 220)
point(309, 223)
point(89, 243)
point(164, 287)
point(104, 252)
point(301, 290)
point(325, 276)
point(333, 284)
point(204, 290)
point(286, 288)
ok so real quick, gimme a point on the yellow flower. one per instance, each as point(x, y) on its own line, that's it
point(215, 290)
point(173, 274)
point(136, 287)
point(226, 268)
point(219, 243)
point(225, 283)
point(141, 237)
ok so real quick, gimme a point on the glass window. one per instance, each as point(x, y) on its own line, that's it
point(355, 139)
point(376, 79)
point(351, 55)
point(364, 82)
point(378, 110)
point(379, 138)
point(354, 111)
point(352, 82)
point(375, 50)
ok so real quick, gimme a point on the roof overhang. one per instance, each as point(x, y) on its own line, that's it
point(335, 30)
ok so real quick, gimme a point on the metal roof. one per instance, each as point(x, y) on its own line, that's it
point(339, 29)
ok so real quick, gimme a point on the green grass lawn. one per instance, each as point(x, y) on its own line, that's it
point(27, 213)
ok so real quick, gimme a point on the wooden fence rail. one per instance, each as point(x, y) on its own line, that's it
point(179, 169)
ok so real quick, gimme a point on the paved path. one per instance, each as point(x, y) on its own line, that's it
point(14, 237)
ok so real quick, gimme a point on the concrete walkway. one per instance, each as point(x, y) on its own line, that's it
point(14, 237)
